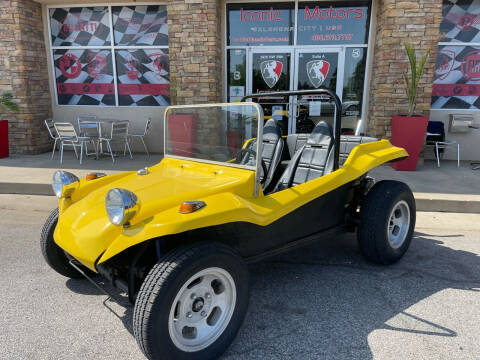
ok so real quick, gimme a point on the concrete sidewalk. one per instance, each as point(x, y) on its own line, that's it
point(447, 189)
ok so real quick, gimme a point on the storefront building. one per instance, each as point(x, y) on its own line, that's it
point(128, 60)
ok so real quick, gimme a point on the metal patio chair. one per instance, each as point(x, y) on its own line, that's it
point(119, 133)
point(436, 138)
point(50, 125)
point(68, 137)
point(89, 127)
point(140, 136)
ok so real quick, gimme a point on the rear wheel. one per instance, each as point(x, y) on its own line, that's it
point(387, 222)
point(52, 253)
point(192, 304)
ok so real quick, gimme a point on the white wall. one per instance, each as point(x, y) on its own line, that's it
point(469, 142)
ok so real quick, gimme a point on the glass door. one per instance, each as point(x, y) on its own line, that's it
point(314, 69)
point(270, 70)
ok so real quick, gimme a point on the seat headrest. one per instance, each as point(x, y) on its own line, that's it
point(322, 134)
point(271, 131)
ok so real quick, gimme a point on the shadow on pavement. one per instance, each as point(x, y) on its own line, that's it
point(324, 300)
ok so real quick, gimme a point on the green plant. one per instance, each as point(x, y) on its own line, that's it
point(6, 102)
point(416, 71)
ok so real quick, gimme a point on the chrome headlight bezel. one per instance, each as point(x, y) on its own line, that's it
point(61, 179)
point(121, 206)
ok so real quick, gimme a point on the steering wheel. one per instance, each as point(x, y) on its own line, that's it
point(243, 156)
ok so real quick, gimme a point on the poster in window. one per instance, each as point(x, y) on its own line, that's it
point(261, 24)
point(326, 24)
point(460, 21)
point(140, 25)
point(80, 26)
point(457, 78)
point(143, 77)
point(84, 77)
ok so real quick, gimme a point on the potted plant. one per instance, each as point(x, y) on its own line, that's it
point(6, 102)
point(408, 131)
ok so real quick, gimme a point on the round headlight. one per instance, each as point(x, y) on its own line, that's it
point(62, 179)
point(121, 206)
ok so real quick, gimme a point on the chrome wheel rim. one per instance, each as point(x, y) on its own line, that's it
point(202, 309)
point(398, 224)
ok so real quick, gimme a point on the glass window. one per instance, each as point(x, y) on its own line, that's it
point(353, 82)
point(143, 77)
point(237, 62)
point(80, 26)
point(322, 23)
point(261, 24)
point(460, 21)
point(140, 25)
point(457, 78)
point(84, 77)
point(84, 74)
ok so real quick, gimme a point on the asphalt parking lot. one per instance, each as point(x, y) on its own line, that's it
point(320, 302)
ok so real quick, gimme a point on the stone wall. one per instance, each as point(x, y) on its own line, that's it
point(23, 72)
point(195, 51)
point(399, 21)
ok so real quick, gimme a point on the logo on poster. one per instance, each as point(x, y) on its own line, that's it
point(445, 63)
point(271, 71)
point(471, 66)
point(70, 66)
point(160, 64)
point(132, 71)
point(317, 71)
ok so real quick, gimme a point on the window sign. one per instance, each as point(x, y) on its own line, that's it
point(260, 24)
point(317, 70)
point(84, 77)
point(143, 77)
point(460, 21)
point(80, 26)
point(271, 72)
point(140, 25)
point(457, 78)
point(331, 24)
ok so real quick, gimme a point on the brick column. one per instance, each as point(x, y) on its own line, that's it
point(399, 21)
point(23, 72)
point(195, 51)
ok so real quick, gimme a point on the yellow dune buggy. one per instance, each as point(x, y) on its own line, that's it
point(176, 237)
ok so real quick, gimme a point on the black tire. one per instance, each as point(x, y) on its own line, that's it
point(163, 283)
point(375, 219)
point(52, 253)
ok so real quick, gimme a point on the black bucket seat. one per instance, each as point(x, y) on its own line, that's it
point(312, 160)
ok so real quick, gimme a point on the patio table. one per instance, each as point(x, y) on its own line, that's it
point(99, 122)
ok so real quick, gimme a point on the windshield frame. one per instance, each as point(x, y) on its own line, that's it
point(259, 135)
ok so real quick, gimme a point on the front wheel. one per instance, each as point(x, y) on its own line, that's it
point(387, 222)
point(192, 303)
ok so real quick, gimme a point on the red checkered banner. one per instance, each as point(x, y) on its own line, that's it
point(457, 70)
point(143, 77)
point(80, 26)
point(84, 77)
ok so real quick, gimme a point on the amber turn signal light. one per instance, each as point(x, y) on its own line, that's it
point(188, 207)
point(93, 176)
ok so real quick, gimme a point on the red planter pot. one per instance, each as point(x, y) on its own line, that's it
point(3, 138)
point(408, 132)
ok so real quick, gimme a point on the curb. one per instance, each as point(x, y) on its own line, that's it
point(424, 202)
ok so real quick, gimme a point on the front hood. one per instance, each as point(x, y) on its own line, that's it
point(84, 229)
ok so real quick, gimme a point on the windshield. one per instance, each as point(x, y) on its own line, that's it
point(219, 133)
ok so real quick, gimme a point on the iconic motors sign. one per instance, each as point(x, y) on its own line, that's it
point(318, 23)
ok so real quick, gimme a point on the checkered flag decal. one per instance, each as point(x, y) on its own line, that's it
point(456, 84)
point(140, 25)
point(143, 77)
point(80, 26)
point(84, 77)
